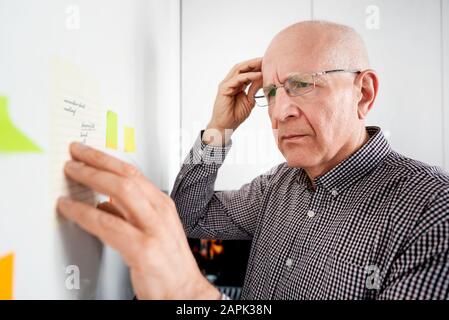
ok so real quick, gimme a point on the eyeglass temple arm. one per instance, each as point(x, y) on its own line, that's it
point(339, 70)
point(323, 72)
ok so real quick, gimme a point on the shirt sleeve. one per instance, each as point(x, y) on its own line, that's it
point(209, 214)
point(422, 270)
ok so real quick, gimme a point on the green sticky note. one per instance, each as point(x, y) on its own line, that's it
point(111, 130)
point(130, 141)
point(12, 140)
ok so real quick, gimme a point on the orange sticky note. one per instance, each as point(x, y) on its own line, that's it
point(6, 276)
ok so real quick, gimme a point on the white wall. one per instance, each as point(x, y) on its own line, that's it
point(405, 48)
point(131, 49)
point(215, 36)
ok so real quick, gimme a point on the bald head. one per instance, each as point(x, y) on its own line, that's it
point(318, 45)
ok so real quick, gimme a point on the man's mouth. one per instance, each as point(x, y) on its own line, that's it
point(293, 137)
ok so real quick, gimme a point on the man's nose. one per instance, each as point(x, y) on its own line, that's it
point(284, 106)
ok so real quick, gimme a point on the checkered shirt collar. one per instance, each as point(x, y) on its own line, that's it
point(352, 169)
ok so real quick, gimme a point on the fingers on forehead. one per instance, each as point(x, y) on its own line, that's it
point(244, 78)
point(255, 86)
point(250, 65)
point(245, 66)
point(253, 63)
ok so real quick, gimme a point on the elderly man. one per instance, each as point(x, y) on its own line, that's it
point(345, 217)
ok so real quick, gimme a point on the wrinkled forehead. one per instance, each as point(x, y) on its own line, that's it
point(312, 47)
point(281, 60)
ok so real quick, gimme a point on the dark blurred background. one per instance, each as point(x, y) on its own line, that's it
point(222, 262)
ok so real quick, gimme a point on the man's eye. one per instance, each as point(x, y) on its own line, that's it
point(270, 92)
point(301, 84)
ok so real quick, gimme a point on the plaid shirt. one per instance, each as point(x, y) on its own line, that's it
point(375, 227)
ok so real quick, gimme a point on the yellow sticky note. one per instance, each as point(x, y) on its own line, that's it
point(6, 277)
point(130, 141)
point(12, 140)
point(111, 130)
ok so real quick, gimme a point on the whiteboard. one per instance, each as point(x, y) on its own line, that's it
point(65, 65)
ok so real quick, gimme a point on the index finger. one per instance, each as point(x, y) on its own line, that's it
point(102, 161)
point(245, 66)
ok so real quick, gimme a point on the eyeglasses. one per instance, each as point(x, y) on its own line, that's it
point(297, 84)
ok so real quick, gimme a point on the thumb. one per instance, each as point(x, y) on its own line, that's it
point(255, 86)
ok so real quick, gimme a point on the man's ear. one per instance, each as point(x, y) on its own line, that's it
point(367, 84)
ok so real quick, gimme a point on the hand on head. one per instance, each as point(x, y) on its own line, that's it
point(233, 104)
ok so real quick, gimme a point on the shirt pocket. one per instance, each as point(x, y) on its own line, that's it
point(339, 279)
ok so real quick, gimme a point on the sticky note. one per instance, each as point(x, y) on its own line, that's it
point(12, 140)
point(6, 277)
point(111, 130)
point(130, 142)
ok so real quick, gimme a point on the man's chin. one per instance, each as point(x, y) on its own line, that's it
point(299, 158)
point(296, 162)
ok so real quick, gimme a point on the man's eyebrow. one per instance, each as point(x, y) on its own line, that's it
point(272, 84)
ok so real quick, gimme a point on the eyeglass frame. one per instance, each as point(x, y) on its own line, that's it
point(313, 75)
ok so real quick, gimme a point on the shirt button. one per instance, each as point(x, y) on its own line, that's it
point(310, 214)
point(289, 262)
point(334, 192)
